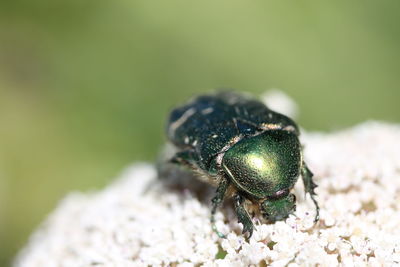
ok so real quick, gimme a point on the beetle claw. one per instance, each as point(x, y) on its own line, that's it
point(248, 230)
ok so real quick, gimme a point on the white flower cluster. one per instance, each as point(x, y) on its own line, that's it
point(138, 222)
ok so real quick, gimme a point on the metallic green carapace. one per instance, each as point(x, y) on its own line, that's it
point(235, 142)
point(264, 164)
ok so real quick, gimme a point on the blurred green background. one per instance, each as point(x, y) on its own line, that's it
point(85, 86)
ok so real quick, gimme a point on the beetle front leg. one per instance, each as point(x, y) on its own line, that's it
point(216, 201)
point(243, 215)
point(309, 187)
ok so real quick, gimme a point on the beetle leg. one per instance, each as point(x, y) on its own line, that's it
point(216, 201)
point(309, 187)
point(243, 215)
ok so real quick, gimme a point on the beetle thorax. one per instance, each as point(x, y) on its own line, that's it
point(264, 164)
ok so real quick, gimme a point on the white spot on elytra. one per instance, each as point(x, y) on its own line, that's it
point(186, 115)
point(207, 111)
point(289, 128)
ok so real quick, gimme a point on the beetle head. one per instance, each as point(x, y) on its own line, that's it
point(278, 209)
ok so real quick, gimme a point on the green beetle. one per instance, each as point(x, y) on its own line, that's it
point(245, 149)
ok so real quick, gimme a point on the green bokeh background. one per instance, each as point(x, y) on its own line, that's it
point(85, 86)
